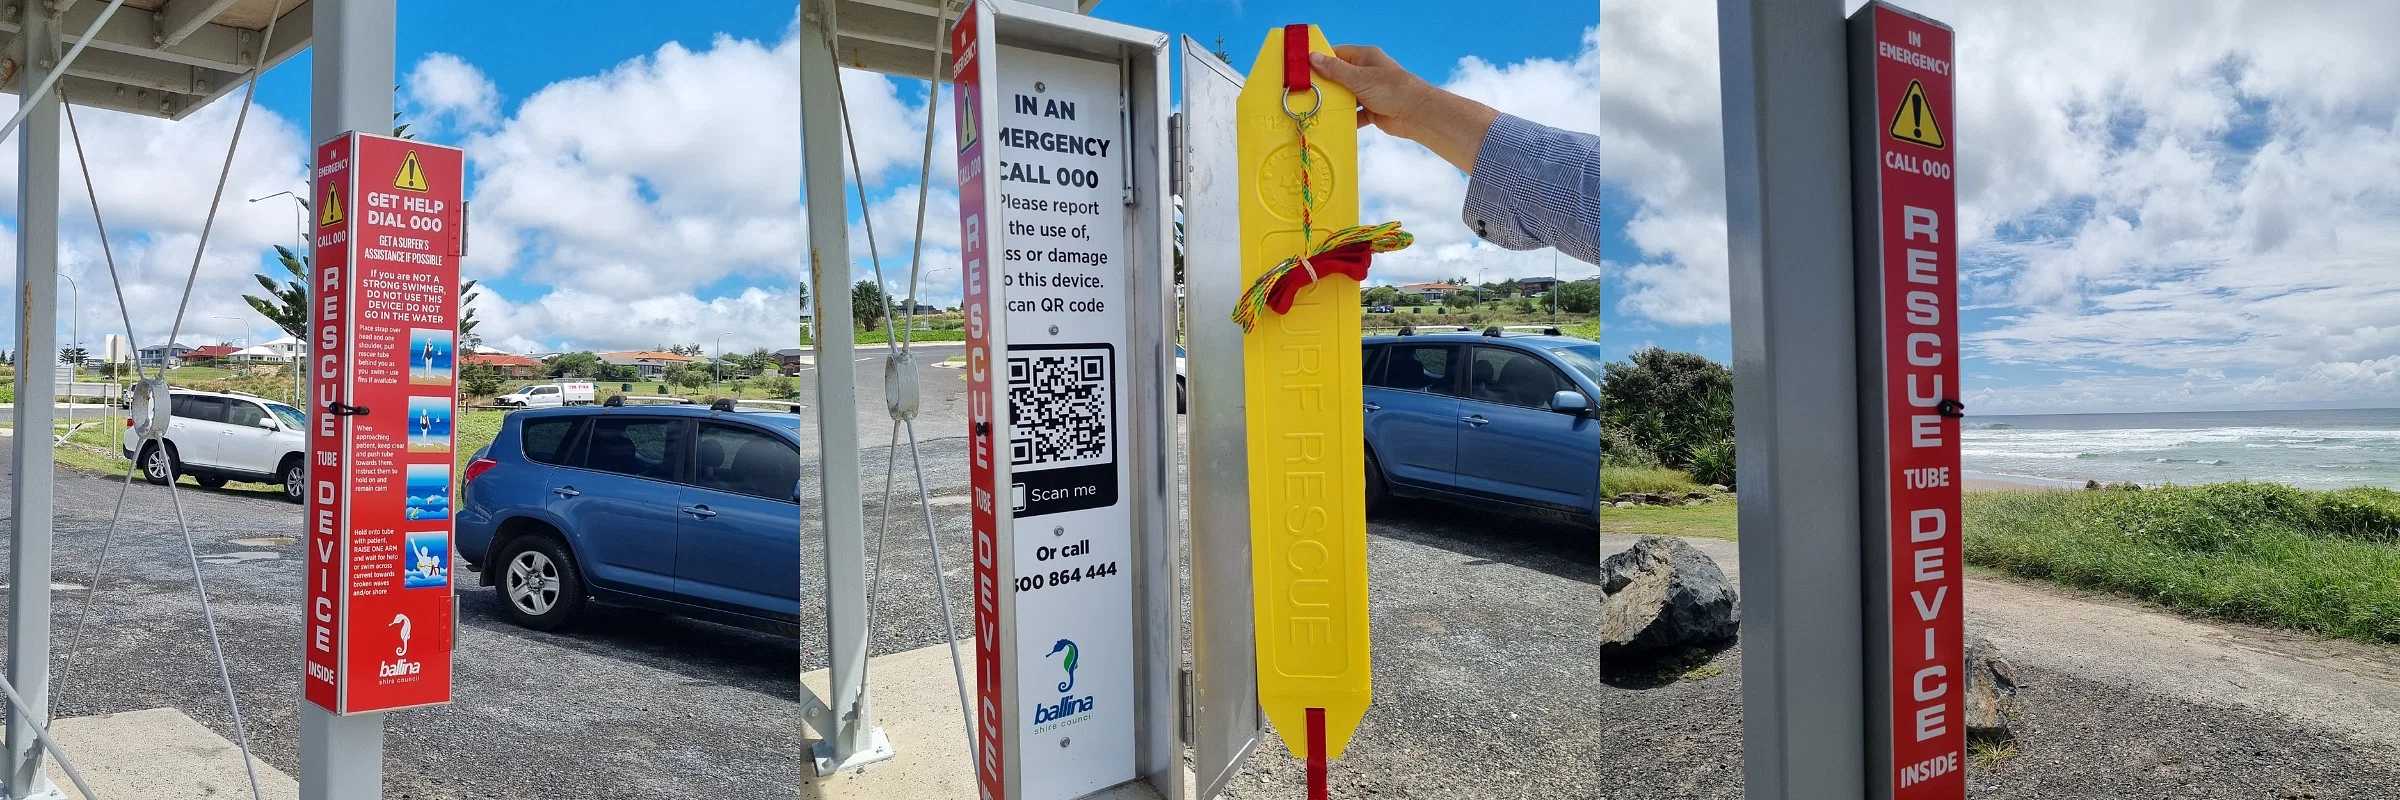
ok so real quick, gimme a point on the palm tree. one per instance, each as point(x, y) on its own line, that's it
point(286, 303)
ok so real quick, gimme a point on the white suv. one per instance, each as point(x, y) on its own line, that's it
point(220, 437)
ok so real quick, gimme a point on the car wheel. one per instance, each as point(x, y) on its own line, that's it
point(1378, 494)
point(540, 586)
point(210, 481)
point(158, 467)
point(295, 480)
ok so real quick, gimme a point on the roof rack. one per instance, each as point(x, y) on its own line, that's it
point(619, 400)
point(1493, 331)
point(1408, 330)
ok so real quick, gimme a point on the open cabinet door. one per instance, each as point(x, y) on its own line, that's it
point(1226, 723)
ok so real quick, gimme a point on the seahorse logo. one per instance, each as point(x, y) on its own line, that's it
point(1066, 646)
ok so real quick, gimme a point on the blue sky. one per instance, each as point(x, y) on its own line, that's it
point(548, 173)
point(2166, 205)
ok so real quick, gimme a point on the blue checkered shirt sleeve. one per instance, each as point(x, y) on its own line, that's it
point(1535, 185)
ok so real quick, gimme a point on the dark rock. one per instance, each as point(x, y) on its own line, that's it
point(1665, 597)
point(1991, 690)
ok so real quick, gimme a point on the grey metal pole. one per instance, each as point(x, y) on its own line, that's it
point(851, 740)
point(30, 452)
point(1787, 207)
point(341, 757)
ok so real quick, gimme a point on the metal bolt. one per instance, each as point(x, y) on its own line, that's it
point(245, 55)
point(1038, 86)
point(47, 63)
point(1063, 741)
point(1054, 330)
point(200, 85)
point(1059, 531)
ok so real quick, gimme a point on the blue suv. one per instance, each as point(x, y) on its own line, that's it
point(1484, 418)
point(681, 508)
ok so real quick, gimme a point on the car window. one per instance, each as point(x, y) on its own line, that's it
point(549, 440)
point(745, 460)
point(195, 407)
point(643, 447)
point(291, 416)
point(1585, 358)
point(243, 413)
point(1514, 377)
point(1369, 361)
point(544, 390)
point(1419, 367)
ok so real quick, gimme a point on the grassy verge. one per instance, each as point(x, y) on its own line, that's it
point(2324, 562)
point(2242, 552)
point(1619, 480)
point(1712, 520)
point(472, 431)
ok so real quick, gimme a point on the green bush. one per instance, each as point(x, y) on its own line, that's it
point(2173, 516)
point(1668, 404)
point(1713, 463)
point(2362, 513)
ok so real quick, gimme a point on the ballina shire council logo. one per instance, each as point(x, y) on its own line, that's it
point(1068, 706)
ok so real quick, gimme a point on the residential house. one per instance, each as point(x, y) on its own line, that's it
point(511, 366)
point(648, 365)
point(789, 360)
point(1534, 286)
point(214, 352)
point(158, 355)
point(1430, 293)
point(289, 348)
point(261, 354)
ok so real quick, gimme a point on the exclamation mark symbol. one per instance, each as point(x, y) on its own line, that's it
point(1916, 115)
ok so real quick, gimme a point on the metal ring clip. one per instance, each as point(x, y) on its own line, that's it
point(1312, 109)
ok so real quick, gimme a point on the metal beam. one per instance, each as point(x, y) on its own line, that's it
point(180, 18)
point(94, 93)
point(1787, 182)
point(851, 739)
point(218, 47)
point(292, 34)
point(31, 460)
point(341, 757)
point(874, 56)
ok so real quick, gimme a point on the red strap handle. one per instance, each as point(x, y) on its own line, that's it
point(1295, 57)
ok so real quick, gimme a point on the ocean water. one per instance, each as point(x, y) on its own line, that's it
point(2310, 449)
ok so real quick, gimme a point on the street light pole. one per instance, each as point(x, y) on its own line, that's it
point(74, 333)
point(716, 368)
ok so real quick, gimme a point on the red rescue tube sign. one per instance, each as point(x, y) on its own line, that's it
point(1903, 133)
point(382, 391)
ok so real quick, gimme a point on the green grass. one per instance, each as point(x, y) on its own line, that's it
point(472, 431)
point(1715, 520)
point(2323, 562)
point(1619, 480)
point(2230, 551)
point(877, 336)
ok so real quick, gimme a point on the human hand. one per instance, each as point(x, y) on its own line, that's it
point(1400, 103)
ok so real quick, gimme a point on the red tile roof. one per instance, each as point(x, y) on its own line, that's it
point(503, 360)
point(212, 351)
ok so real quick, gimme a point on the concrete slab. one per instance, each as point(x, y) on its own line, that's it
point(915, 697)
point(158, 754)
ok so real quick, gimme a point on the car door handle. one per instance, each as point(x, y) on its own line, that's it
point(566, 491)
point(1476, 420)
point(702, 512)
point(1374, 407)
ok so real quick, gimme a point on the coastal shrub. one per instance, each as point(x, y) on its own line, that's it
point(2363, 513)
point(1713, 463)
point(2255, 502)
point(1670, 404)
point(1617, 448)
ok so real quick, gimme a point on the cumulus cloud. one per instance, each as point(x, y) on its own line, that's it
point(154, 179)
point(449, 93)
point(2185, 205)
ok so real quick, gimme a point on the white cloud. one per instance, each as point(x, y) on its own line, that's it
point(154, 179)
point(449, 93)
point(2149, 189)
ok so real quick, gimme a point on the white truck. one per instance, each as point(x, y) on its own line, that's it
point(548, 395)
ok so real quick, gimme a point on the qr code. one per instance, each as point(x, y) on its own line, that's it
point(1061, 406)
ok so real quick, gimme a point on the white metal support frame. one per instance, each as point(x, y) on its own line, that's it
point(30, 455)
point(341, 757)
point(851, 739)
point(1787, 167)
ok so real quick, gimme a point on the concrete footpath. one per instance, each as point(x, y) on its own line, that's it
point(158, 754)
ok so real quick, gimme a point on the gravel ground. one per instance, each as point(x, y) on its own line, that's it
point(1486, 685)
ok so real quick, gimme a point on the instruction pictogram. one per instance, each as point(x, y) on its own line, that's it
point(1912, 122)
point(333, 208)
point(412, 174)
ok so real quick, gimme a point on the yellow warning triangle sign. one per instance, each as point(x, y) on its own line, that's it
point(1912, 122)
point(412, 174)
point(333, 208)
